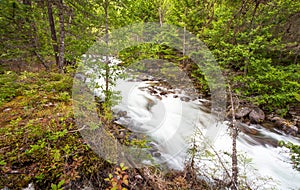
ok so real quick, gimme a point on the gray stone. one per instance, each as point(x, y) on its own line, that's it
point(242, 112)
point(157, 154)
point(256, 116)
point(185, 99)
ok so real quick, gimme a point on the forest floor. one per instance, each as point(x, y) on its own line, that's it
point(40, 143)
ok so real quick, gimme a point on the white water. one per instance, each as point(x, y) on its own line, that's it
point(170, 121)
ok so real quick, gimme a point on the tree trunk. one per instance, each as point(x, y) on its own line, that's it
point(61, 57)
point(53, 31)
point(106, 3)
point(234, 170)
point(33, 33)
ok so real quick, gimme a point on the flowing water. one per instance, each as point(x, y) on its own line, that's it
point(170, 121)
point(170, 118)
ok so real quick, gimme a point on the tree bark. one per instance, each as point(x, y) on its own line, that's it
point(33, 33)
point(234, 170)
point(53, 31)
point(106, 3)
point(61, 57)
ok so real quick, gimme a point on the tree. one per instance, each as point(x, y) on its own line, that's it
point(61, 57)
point(53, 31)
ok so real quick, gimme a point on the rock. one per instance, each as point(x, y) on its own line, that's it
point(285, 126)
point(185, 99)
point(157, 154)
point(242, 112)
point(205, 102)
point(122, 113)
point(152, 91)
point(290, 129)
point(158, 97)
point(296, 121)
point(256, 116)
point(274, 119)
point(246, 129)
point(163, 93)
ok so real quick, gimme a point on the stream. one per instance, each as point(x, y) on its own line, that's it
point(169, 118)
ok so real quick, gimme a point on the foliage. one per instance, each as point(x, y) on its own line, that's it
point(8, 86)
point(214, 165)
point(253, 41)
point(244, 41)
point(118, 178)
point(58, 186)
point(36, 134)
point(294, 153)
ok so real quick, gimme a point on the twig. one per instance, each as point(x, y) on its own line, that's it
point(77, 129)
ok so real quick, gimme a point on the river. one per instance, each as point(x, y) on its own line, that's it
point(169, 118)
point(170, 121)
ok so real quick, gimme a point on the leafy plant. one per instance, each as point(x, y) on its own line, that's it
point(294, 153)
point(8, 86)
point(118, 178)
point(58, 186)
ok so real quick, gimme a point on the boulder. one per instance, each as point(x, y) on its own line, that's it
point(290, 129)
point(285, 126)
point(242, 112)
point(256, 116)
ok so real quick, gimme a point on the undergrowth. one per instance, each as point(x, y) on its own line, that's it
point(40, 143)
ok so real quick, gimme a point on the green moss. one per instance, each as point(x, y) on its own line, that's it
point(35, 133)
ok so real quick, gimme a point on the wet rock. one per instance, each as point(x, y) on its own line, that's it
point(246, 129)
point(122, 113)
point(291, 130)
point(285, 126)
point(158, 97)
point(185, 99)
point(157, 154)
point(152, 91)
point(256, 116)
point(205, 109)
point(242, 112)
point(163, 93)
point(205, 102)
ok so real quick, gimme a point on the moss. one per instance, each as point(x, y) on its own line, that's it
point(40, 144)
point(35, 142)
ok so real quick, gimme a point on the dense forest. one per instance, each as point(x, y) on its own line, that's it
point(255, 43)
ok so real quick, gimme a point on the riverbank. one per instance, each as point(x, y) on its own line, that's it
point(41, 145)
